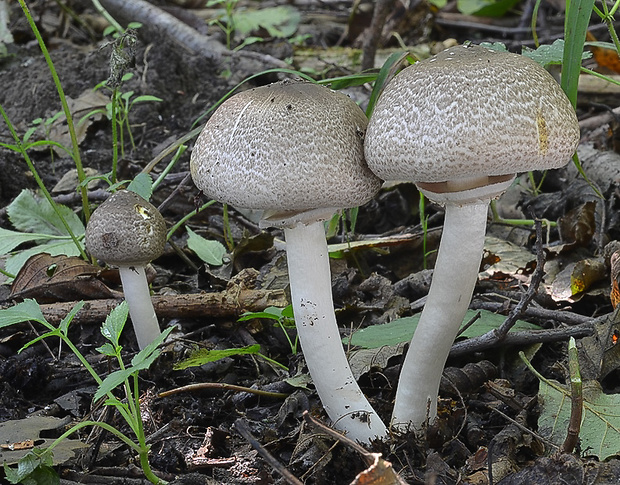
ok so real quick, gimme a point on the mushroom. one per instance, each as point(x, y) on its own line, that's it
point(461, 125)
point(129, 232)
point(295, 151)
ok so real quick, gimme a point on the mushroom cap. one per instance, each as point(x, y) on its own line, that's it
point(285, 147)
point(469, 112)
point(126, 230)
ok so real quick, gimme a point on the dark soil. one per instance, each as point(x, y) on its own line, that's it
point(374, 287)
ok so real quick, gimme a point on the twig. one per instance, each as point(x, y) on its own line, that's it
point(576, 397)
point(484, 342)
point(557, 315)
point(537, 276)
point(499, 335)
point(523, 428)
point(241, 426)
point(195, 305)
point(339, 436)
point(372, 35)
point(222, 385)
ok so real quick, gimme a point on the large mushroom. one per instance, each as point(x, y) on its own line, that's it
point(461, 125)
point(295, 150)
point(129, 232)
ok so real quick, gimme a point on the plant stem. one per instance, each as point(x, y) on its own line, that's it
point(311, 295)
point(185, 218)
point(454, 279)
point(63, 100)
point(114, 100)
point(106, 15)
point(41, 184)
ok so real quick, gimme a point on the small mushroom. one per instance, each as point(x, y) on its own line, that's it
point(129, 232)
point(295, 151)
point(461, 125)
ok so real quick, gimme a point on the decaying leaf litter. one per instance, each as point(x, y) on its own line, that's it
point(499, 413)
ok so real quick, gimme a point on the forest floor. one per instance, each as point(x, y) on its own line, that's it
point(202, 436)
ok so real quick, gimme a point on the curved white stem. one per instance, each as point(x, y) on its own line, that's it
point(311, 293)
point(138, 297)
point(454, 279)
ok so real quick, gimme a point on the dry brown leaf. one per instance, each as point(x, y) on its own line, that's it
point(379, 473)
point(59, 278)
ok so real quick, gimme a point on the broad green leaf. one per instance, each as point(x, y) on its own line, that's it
point(401, 330)
point(279, 21)
point(9, 240)
point(211, 252)
point(115, 322)
point(30, 214)
point(600, 427)
point(552, 54)
point(486, 8)
point(55, 247)
point(27, 310)
point(204, 356)
point(31, 428)
point(142, 185)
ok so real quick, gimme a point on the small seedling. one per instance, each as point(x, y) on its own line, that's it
point(283, 317)
point(38, 462)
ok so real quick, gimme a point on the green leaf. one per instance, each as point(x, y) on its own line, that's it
point(55, 247)
point(211, 252)
point(552, 54)
point(27, 310)
point(142, 360)
point(107, 349)
point(144, 98)
point(576, 21)
point(388, 69)
point(600, 427)
point(486, 8)
point(114, 323)
point(271, 312)
point(65, 322)
point(36, 428)
point(352, 80)
point(204, 356)
point(118, 377)
point(142, 185)
point(30, 214)
point(9, 240)
point(401, 330)
point(279, 21)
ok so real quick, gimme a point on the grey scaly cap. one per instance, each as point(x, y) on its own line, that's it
point(467, 112)
point(126, 230)
point(288, 146)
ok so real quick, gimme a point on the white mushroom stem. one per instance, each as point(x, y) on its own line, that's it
point(138, 298)
point(452, 286)
point(310, 282)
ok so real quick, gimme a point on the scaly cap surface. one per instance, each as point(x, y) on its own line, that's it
point(126, 230)
point(288, 146)
point(467, 112)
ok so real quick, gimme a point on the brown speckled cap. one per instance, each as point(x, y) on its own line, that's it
point(126, 230)
point(288, 146)
point(467, 112)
